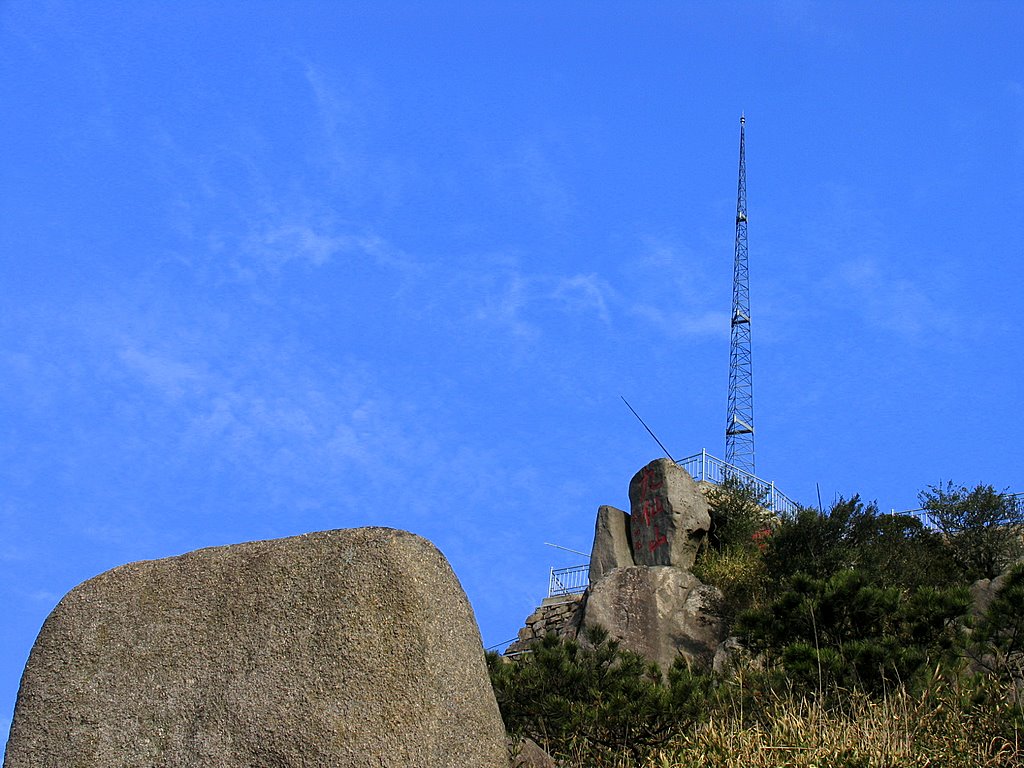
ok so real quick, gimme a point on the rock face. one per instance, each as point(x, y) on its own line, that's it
point(340, 648)
point(612, 547)
point(658, 612)
point(669, 517)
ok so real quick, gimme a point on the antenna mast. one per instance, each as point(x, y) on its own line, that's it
point(739, 428)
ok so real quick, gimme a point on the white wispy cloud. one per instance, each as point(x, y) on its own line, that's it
point(667, 269)
point(281, 242)
point(853, 276)
point(243, 222)
point(345, 108)
point(680, 324)
point(241, 218)
point(531, 170)
point(665, 289)
point(277, 242)
point(807, 21)
point(249, 233)
point(584, 294)
point(522, 301)
point(504, 301)
point(668, 287)
point(1015, 88)
point(895, 303)
point(38, 28)
point(10, 522)
point(336, 113)
point(172, 378)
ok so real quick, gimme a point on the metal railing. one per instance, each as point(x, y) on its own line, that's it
point(569, 581)
point(1017, 499)
point(703, 467)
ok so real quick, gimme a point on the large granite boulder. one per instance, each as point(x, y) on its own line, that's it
point(612, 547)
point(340, 648)
point(658, 612)
point(670, 516)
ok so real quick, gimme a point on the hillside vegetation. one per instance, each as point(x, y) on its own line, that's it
point(859, 644)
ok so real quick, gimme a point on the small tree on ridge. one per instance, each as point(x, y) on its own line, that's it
point(982, 526)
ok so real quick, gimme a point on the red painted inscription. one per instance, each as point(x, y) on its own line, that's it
point(652, 507)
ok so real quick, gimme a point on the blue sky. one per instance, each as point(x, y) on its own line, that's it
point(270, 268)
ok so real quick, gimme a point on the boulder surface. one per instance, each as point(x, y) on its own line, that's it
point(659, 612)
point(612, 547)
point(669, 515)
point(340, 648)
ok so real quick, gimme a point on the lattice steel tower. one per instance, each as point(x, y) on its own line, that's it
point(739, 428)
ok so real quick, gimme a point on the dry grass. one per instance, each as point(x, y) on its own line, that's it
point(932, 730)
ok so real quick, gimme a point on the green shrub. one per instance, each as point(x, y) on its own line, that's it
point(564, 691)
point(817, 545)
point(739, 572)
point(893, 550)
point(738, 513)
point(849, 633)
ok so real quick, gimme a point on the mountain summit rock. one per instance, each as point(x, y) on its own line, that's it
point(339, 648)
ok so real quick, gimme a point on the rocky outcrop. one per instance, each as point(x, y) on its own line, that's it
point(612, 546)
point(659, 612)
point(641, 590)
point(556, 615)
point(983, 592)
point(339, 648)
point(669, 515)
point(732, 655)
point(526, 753)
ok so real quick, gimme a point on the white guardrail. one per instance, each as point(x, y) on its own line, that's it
point(569, 581)
point(703, 467)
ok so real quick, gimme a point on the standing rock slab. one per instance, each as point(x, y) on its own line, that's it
point(658, 612)
point(345, 648)
point(670, 516)
point(612, 547)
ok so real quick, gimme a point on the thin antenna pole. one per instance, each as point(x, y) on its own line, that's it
point(559, 546)
point(649, 430)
